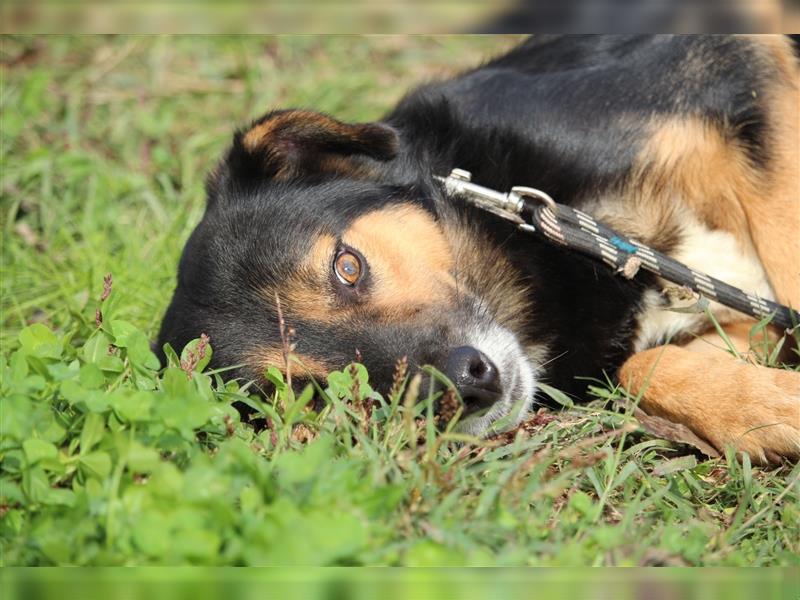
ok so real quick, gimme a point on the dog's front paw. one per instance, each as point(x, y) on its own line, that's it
point(728, 403)
point(763, 419)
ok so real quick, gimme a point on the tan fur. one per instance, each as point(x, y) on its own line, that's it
point(305, 295)
point(302, 120)
point(689, 160)
point(704, 168)
point(481, 265)
point(345, 165)
point(637, 214)
point(410, 265)
point(740, 335)
point(299, 140)
point(301, 364)
point(256, 137)
point(410, 260)
point(773, 210)
point(723, 400)
point(691, 186)
point(687, 164)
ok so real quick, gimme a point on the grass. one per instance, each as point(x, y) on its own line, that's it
point(105, 460)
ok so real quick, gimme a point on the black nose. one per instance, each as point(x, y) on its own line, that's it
point(475, 376)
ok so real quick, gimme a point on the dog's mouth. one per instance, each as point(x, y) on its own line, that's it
point(477, 401)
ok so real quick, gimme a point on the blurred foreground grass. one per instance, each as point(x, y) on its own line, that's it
point(401, 584)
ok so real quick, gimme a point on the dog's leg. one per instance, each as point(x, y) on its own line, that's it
point(724, 400)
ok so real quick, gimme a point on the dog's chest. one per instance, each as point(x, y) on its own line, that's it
point(716, 253)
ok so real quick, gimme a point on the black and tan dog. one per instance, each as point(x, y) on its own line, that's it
point(689, 144)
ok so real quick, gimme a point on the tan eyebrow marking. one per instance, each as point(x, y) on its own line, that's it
point(301, 364)
point(410, 259)
point(306, 294)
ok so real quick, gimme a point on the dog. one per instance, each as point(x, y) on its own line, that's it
point(342, 232)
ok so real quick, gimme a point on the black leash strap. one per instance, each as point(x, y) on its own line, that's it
point(533, 211)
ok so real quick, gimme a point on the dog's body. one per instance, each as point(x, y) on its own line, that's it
point(687, 144)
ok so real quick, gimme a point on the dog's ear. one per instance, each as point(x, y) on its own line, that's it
point(294, 143)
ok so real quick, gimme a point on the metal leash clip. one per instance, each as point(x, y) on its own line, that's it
point(521, 192)
point(508, 206)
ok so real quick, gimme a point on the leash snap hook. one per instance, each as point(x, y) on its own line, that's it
point(521, 192)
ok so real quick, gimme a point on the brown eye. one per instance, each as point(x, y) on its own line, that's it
point(347, 267)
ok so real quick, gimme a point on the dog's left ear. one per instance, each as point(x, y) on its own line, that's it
point(293, 143)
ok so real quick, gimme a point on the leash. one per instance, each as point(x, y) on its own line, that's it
point(533, 211)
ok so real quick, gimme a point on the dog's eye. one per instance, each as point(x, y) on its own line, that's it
point(347, 267)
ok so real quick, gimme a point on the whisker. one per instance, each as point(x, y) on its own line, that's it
point(555, 358)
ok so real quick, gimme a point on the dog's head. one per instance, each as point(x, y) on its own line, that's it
point(304, 222)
